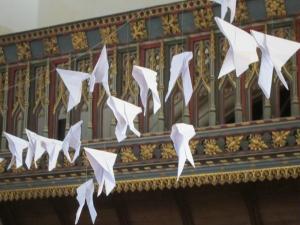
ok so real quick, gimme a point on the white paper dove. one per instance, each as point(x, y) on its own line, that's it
point(16, 146)
point(242, 51)
point(225, 5)
point(38, 145)
point(181, 134)
point(124, 113)
point(85, 194)
point(102, 163)
point(73, 79)
point(275, 53)
point(73, 139)
point(180, 66)
point(146, 80)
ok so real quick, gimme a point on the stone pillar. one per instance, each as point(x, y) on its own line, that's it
point(160, 113)
point(26, 100)
point(4, 113)
point(267, 108)
point(90, 104)
point(238, 106)
point(47, 95)
point(294, 88)
point(212, 106)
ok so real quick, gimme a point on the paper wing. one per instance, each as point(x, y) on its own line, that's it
point(102, 163)
point(72, 139)
point(73, 81)
point(146, 79)
point(100, 72)
point(181, 135)
point(85, 193)
point(175, 71)
point(117, 106)
point(16, 146)
point(131, 111)
point(232, 6)
point(242, 51)
point(186, 78)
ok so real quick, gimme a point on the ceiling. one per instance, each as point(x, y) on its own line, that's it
point(20, 15)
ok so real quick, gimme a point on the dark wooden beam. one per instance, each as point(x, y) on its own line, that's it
point(250, 199)
point(7, 214)
point(183, 207)
point(59, 207)
point(120, 206)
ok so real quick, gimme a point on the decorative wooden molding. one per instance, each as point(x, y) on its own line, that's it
point(160, 183)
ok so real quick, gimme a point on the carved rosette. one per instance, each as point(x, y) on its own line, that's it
point(256, 143)
point(50, 45)
point(193, 145)
point(211, 147)
point(241, 12)
point(275, 8)
point(233, 143)
point(147, 152)
point(203, 18)
point(138, 30)
point(23, 51)
point(127, 155)
point(2, 56)
point(279, 138)
point(109, 35)
point(167, 151)
point(79, 41)
point(170, 24)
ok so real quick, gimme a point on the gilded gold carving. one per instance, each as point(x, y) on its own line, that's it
point(298, 137)
point(129, 88)
point(170, 24)
point(211, 147)
point(241, 12)
point(50, 45)
point(153, 59)
point(61, 93)
point(40, 87)
point(2, 56)
point(279, 138)
point(202, 64)
point(79, 40)
point(127, 155)
point(67, 163)
point(160, 183)
point(23, 51)
point(203, 18)
point(233, 143)
point(167, 151)
point(138, 30)
point(84, 65)
point(256, 143)
point(193, 145)
point(2, 166)
point(22, 82)
point(147, 151)
point(109, 35)
point(275, 8)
